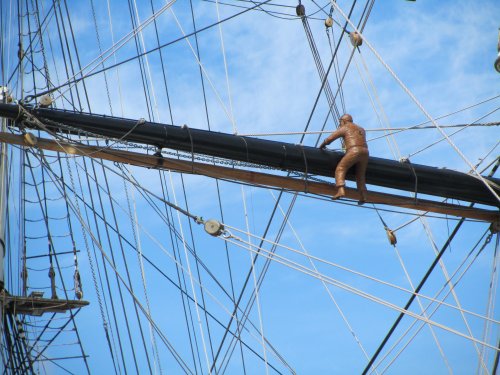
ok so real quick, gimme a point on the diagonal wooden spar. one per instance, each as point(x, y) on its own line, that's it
point(254, 178)
point(415, 178)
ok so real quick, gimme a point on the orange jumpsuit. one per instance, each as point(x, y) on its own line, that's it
point(356, 154)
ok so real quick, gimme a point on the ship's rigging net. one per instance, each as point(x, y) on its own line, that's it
point(291, 282)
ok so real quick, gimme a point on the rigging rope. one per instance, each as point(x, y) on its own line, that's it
point(419, 105)
point(75, 80)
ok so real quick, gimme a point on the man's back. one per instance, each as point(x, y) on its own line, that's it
point(354, 136)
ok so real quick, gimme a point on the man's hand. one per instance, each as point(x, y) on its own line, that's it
point(322, 146)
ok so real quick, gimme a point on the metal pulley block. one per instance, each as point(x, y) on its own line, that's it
point(329, 22)
point(45, 101)
point(356, 39)
point(214, 227)
point(391, 236)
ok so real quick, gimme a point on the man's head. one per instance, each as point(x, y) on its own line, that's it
point(345, 119)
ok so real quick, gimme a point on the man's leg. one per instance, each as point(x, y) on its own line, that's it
point(361, 177)
point(343, 166)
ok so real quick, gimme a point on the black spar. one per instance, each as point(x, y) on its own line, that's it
point(406, 176)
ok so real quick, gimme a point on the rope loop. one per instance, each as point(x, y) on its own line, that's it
point(192, 146)
point(406, 160)
point(306, 187)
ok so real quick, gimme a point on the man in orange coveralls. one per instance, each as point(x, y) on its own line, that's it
point(356, 154)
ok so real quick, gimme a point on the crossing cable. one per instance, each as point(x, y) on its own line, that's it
point(424, 314)
point(357, 273)
point(486, 239)
point(452, 290)
point(216, 180)
point(417, 290)
point(197, 264)
point(295, 195)
point(492, 296)
point(109, 333)
point(406, 160)
point(341, 312)
point(455, 132)
point(52, 273)
point(199, 284)
point(256, 290)
point(143, 64)
point(154, 110)
point(230, 115)
point(337, 66)
point(272, 13)
point(189, 223)
point(106, 328)
point(319, 66)
point(86, 228)
point(51, 245)
point(128, 324)
point(174, 235)
point(227, 236)
point(419, 105)
point(138, 245)
point(191, 278)
point(224, 108)
point(281, 191)
point(150, 97)
point(109, 52)
point(106, 275)
point(75, 80)
point(184, 292)
point(439, 292)
point(96, 27)
point(156, 208)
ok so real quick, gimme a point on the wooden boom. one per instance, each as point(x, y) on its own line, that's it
point(254, 178)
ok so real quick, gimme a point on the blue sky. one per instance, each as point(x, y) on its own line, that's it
point(442, 51)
